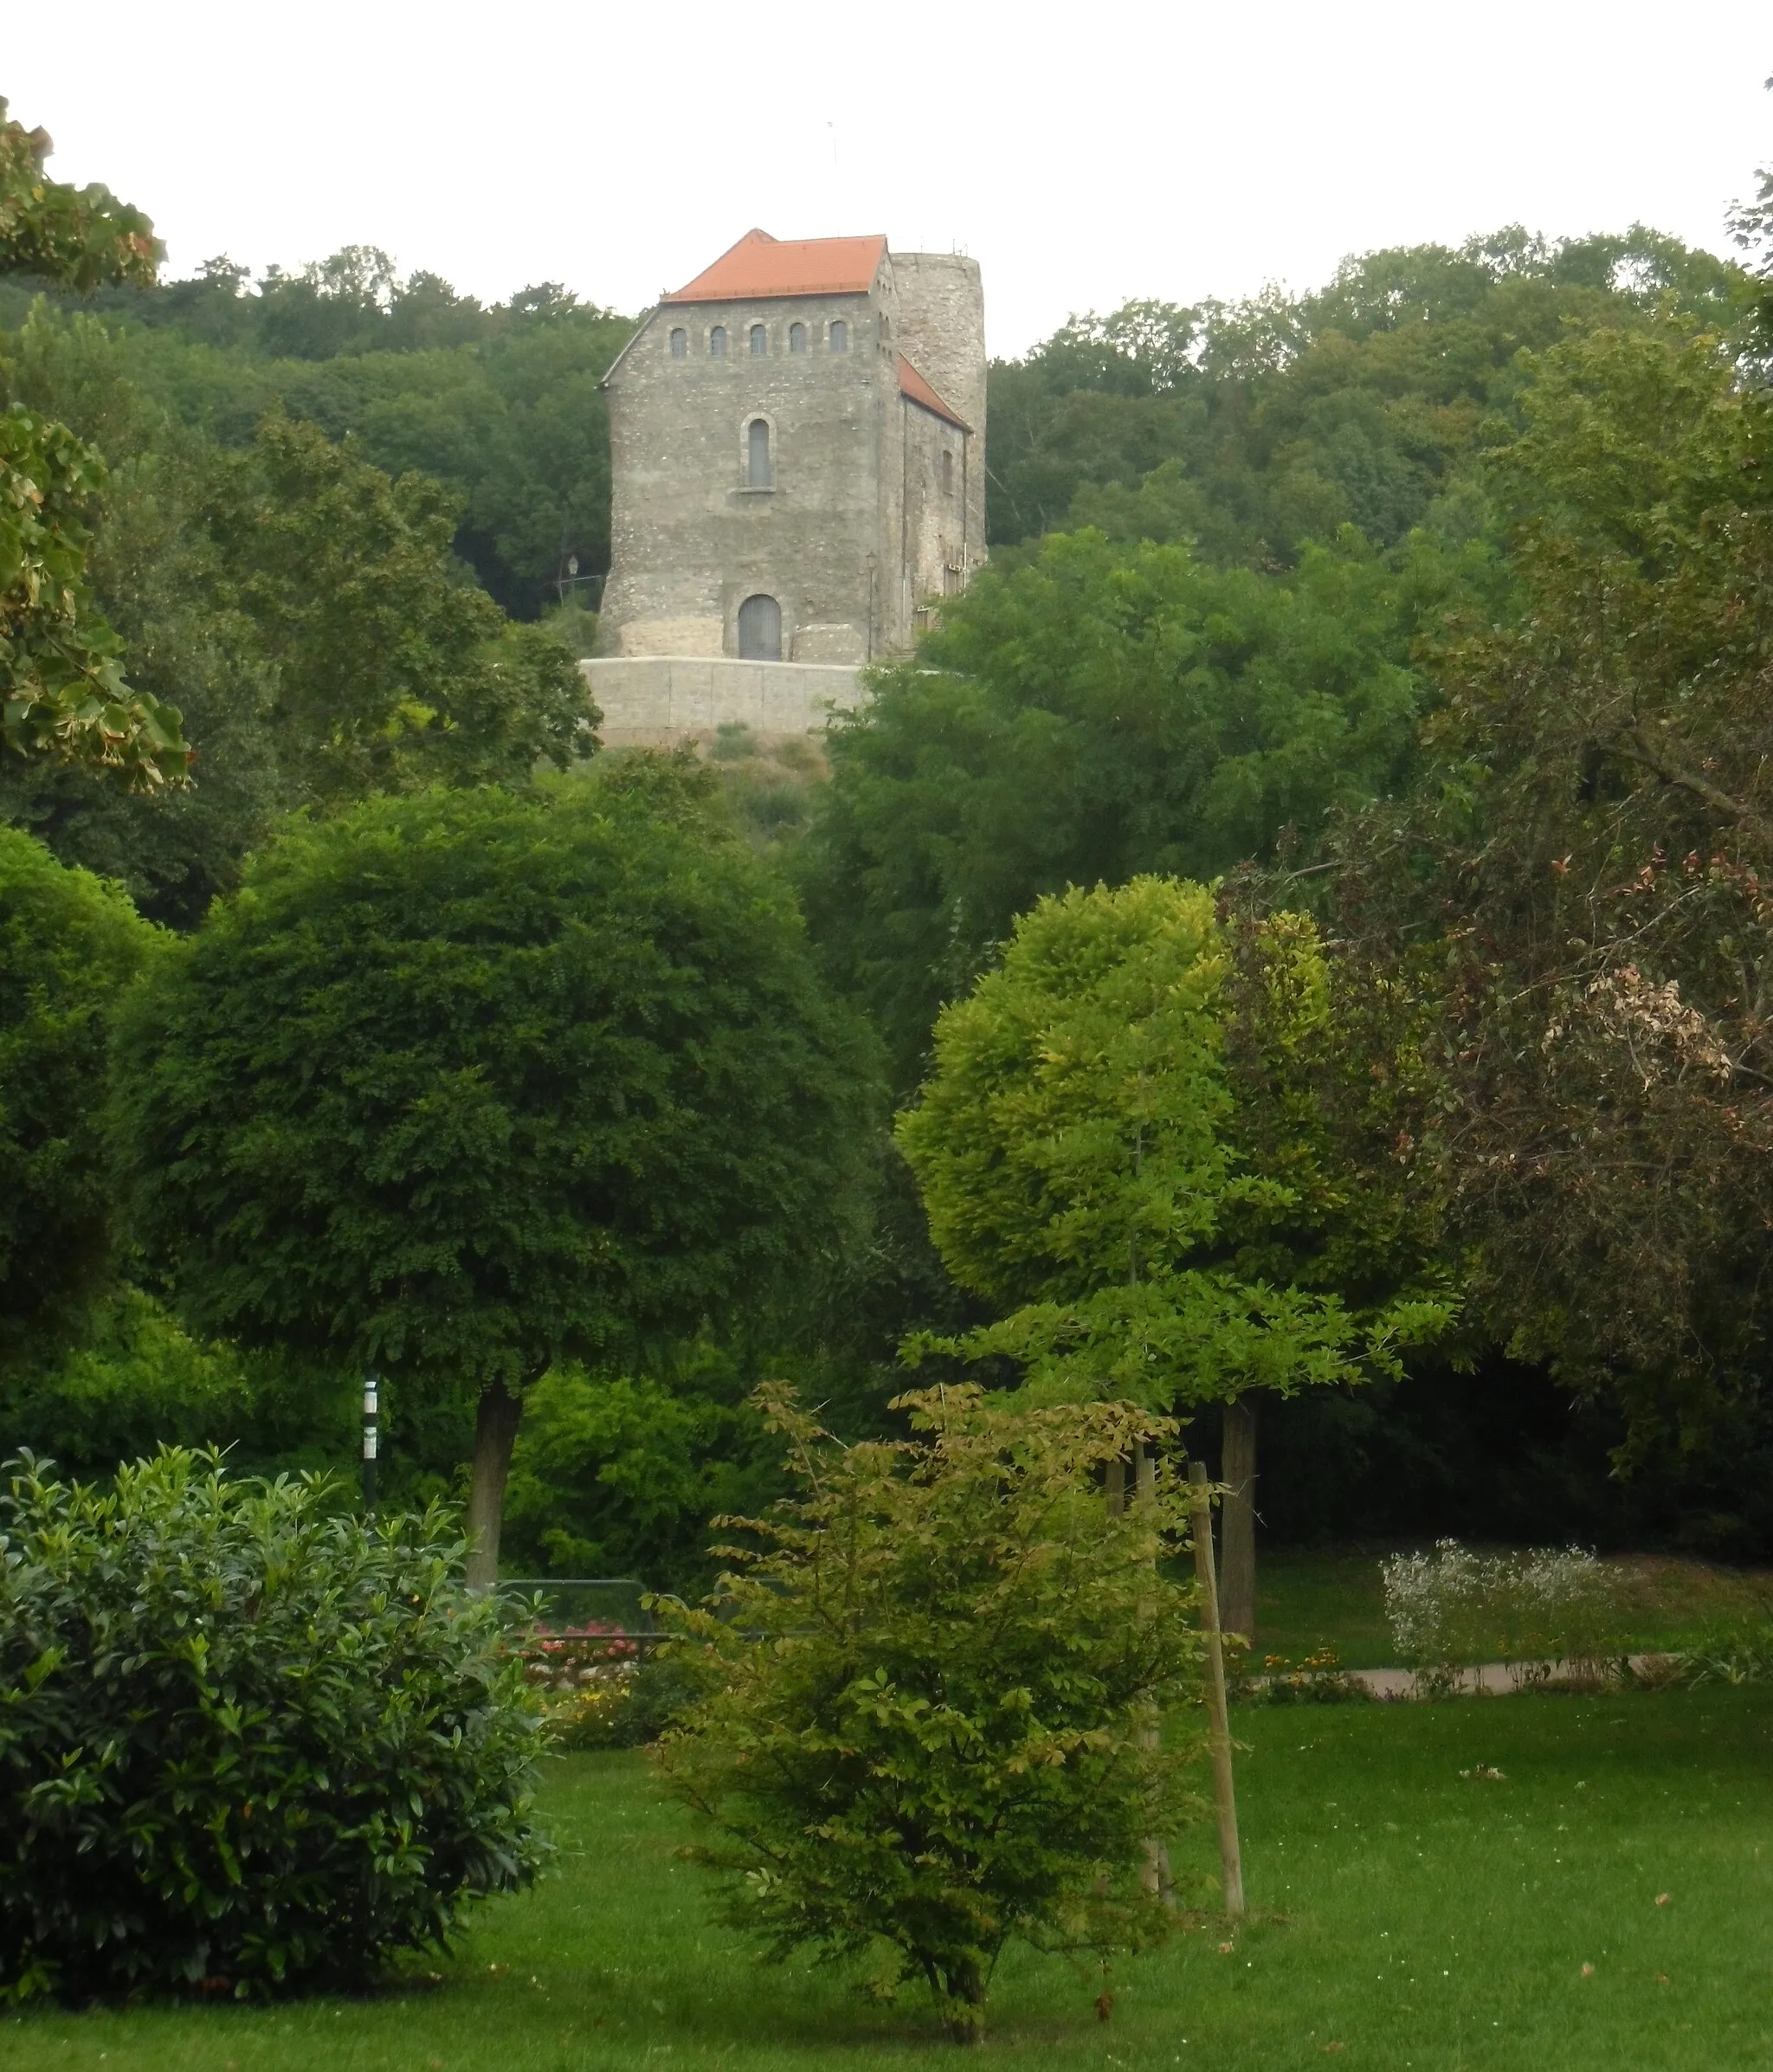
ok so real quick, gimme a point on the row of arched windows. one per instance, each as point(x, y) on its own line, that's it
point(801, 339)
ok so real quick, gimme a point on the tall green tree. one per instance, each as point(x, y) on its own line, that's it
point(158, 579)
point(62, 693)
point(1090, 711)
point(1586, 865)
point(470, 1083)
point(391, 669)
point(1155, 1226)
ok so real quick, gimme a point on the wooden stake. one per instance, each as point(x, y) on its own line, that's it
point(1219, 1724)
point(1154, 1873)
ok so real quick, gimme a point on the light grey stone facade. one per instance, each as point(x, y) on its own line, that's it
point(797, 461)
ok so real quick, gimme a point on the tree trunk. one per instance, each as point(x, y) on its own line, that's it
point(495, 1433)
point(963, 2001)
point(1237, 1531)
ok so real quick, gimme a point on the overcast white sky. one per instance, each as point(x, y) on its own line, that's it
point(1083, 154)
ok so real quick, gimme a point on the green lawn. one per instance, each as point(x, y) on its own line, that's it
point(1312, 1598)
point(1412, 1917)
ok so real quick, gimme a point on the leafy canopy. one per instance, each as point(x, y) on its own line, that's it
point(391, 669)
point(1088, 711)
point(61, 689)
point(1588, 858)
point(1090, 1164)
point(472, 1082)
point(926, 1687)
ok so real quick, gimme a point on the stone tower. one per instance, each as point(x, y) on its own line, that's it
point(796, 460)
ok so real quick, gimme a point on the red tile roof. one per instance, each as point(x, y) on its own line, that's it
point(911, 383)
point(760, 266)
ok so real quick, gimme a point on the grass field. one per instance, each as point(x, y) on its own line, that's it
point(1307, 1599)
point(1407, 1918)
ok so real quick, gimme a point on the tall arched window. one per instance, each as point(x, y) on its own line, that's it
point(680, 344)
point(840, 336)
point(760, 629)
point(796, 338)
point(947, 472)
point(717, 342)
point(760, 341)
point(757, 453)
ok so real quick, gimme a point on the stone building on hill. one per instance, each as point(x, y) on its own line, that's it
point(798, 472)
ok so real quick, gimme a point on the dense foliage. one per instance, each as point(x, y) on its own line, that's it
point(1089, 711)
point(501, 405)
point(62, 694)
point(1588, 855)
point(306, 611)
point(1257, 427)
point(249, 1744)
point(1085, 1164)
point(68, 943)
point(928, 1684)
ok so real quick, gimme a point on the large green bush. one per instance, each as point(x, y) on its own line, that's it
point(246, 1743)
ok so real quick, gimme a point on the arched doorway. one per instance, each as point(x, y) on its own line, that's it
point(760, 629)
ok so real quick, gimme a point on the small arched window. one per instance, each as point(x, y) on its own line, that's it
point(760, 341)
point(757, 453)
point(680, 344)
point(717, 342)
point(760, 629)
point(947, 472)
point(840, 336)
point(796, 338)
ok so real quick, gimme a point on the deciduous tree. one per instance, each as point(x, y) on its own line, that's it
point(467, 1083)
point(927, 1683)
point(62, 694)
point(1156, 1225)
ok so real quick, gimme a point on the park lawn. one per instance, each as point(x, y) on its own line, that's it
point(1407, 1918)
point(1307, 1599)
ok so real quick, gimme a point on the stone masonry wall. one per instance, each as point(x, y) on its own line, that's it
point(858, 528)
point(941, 310)
point(691, 539)
point(656, 702)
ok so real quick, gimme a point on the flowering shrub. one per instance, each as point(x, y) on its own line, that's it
point(1320, 1679)
point(1454, 1608)
point(586, 1675)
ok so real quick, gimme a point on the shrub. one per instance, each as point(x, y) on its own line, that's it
point(246, 1743)
point(1739, 1651)
point(1454, 1608)
point(930, 1691)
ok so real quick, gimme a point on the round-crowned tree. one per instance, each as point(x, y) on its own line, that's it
point(465, 1083)
point(68, 942)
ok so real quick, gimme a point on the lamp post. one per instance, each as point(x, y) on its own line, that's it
point(372, 1383)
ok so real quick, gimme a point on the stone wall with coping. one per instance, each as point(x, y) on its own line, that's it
point(657, 701)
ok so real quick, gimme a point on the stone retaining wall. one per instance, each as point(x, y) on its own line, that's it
point(662, 701)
